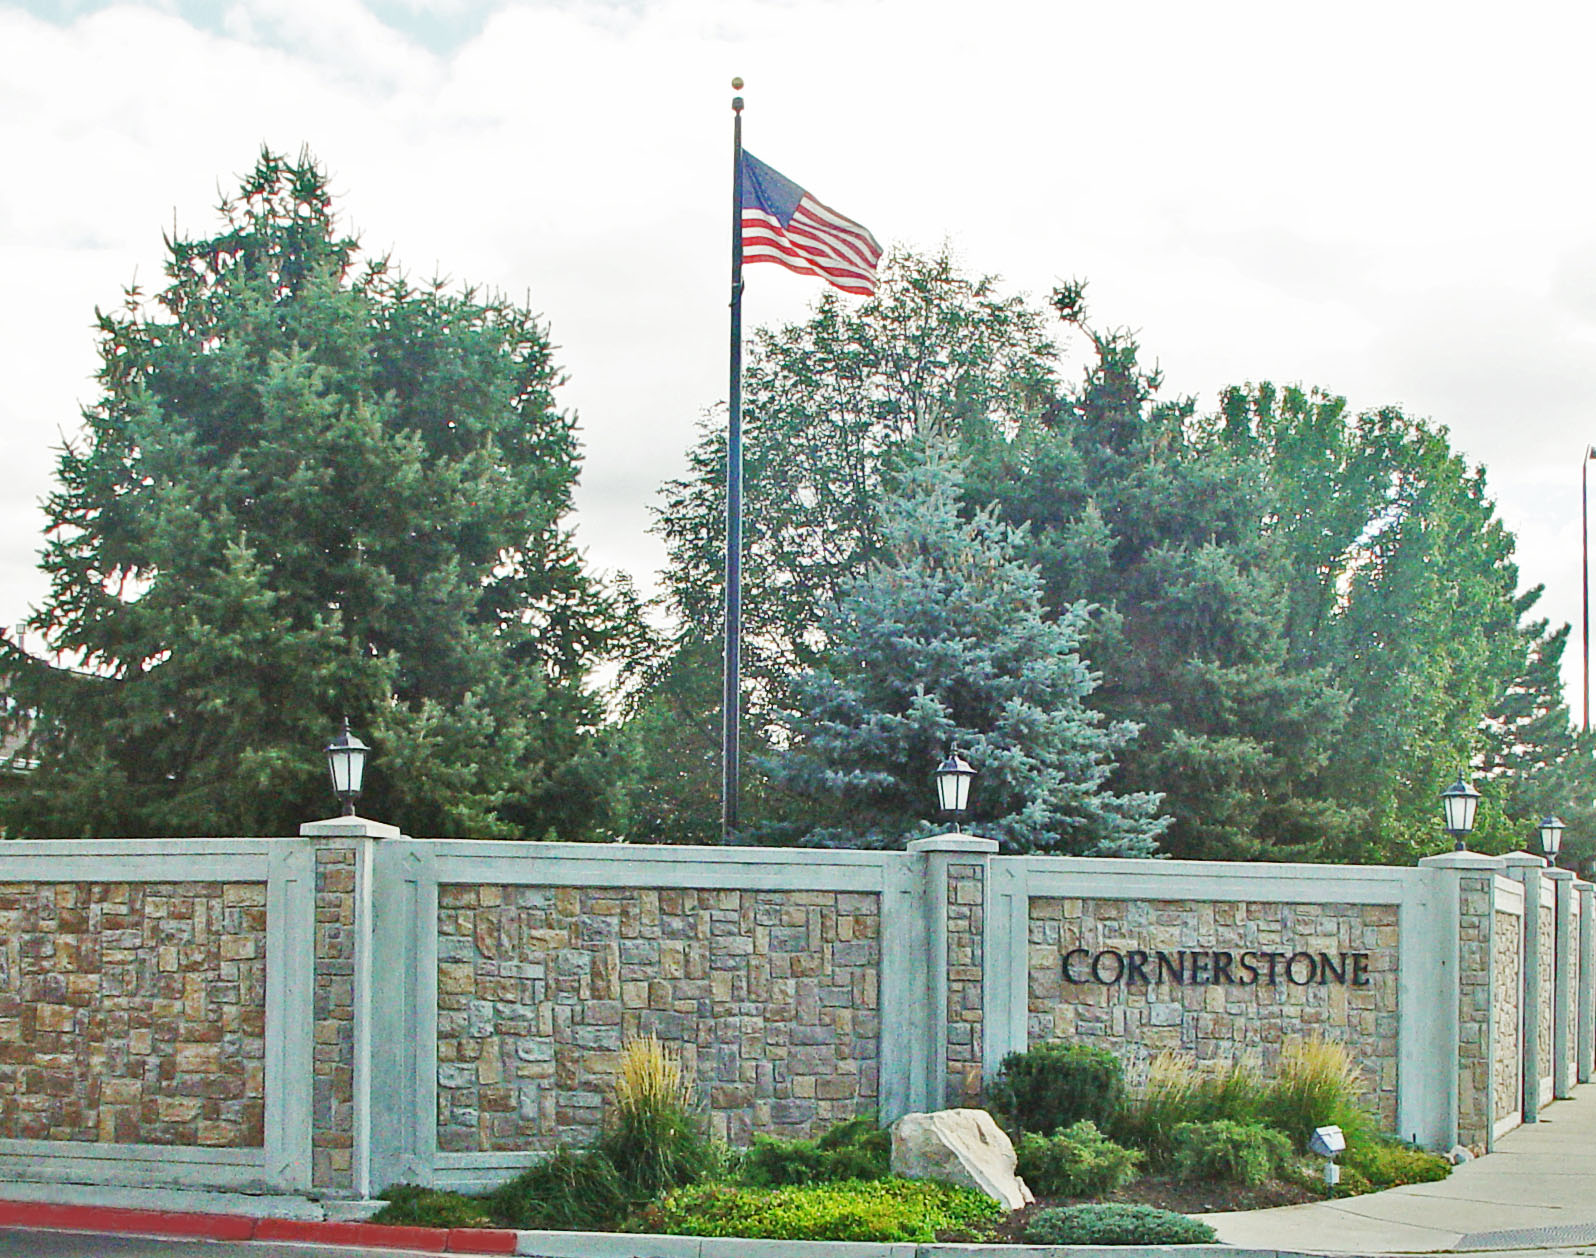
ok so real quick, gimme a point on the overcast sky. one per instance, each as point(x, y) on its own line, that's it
point(1390, 200)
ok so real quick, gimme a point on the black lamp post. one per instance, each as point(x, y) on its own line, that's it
point(1459, 801)
point(953, 786)
point(1551, 838)
point(346, 762)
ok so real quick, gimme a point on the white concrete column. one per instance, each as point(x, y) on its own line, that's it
point(939, 852)
point(362, 835)
point(1530, 871)
point(1564, 970)
point(1464, 999)
point(1585, 1047)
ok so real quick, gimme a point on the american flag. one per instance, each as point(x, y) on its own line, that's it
point(782, 223)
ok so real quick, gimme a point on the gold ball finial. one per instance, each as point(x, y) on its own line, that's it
point(737, 85)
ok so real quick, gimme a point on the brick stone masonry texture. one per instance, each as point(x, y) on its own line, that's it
point(333, 1058)
point(133, 1013)
point(1219, 1022)
point(1543, 1010)
point(1474, 1011)
point(966, 893)
point(771, 997)
point(1507, 980)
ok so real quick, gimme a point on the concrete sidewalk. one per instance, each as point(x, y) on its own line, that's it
point(1537, 1191)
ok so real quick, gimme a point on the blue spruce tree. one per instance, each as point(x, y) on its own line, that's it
point(941, 644)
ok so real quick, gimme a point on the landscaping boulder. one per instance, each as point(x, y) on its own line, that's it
point(959, 1146)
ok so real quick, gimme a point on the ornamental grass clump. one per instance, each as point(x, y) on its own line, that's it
point(1180, 1090)
point(1316, 1086)
point(655, 1135)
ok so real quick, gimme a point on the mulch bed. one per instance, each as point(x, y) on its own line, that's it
point(1201, 1197)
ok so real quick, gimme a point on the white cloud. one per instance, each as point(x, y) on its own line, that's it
point(1388, 200)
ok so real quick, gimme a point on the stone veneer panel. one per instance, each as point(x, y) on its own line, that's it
point(1474, 1101)
point(1219, 1022)
point(1507, 981)
point(1571, 981)
point(771, 997)
point(1544, 1003)
point(966, 897)
point(133, 1012)
point(333, 1018)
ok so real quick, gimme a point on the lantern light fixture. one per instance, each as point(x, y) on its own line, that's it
point(1551, 838)
point(346, 763)
point(1459, 802)
point(953, 786)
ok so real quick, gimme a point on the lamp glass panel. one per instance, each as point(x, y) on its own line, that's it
point(347, 765)
point(1460, 810)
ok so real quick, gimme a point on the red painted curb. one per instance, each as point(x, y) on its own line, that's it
point(216, 1227)
point(481, 1240)
point(433, 1239)
point(238, 1227)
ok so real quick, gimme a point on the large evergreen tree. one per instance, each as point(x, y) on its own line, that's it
point(825, 402)
point(1131, 508)
point(310, 489)
point(941, 643)
point(1405, 591)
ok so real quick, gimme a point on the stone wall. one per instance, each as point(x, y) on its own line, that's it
point(1220, 1020)
point(1507, 1088)
point(966, 925)
point(133, 1013)
point(771, 997)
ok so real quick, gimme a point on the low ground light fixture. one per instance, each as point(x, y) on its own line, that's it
point(1459, 801)
point(953, 786)
point(346, 762)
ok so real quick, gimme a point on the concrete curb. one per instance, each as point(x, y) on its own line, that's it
point(197, 1225)
point(186, 1225)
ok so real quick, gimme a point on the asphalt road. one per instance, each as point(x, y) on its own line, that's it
point(24, 1243)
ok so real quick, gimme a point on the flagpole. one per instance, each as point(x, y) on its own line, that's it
point(731, 694)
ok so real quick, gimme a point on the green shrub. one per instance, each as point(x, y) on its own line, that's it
point(1388, 1163)
point(884, 1210)
point(1310, 1175)
point(856, 1149)
point(1237, 1153)
point(413, 1206)
point(566, 1191)
point(1055, 1084)
point(1316, 1086)
point(655, 1135)
point(1112, 1224)
point(1178, 1090)
point(1078, 1161)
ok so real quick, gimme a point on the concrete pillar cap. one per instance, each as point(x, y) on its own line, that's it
point(953, 843)
point(349, 828)
point(1462, 860)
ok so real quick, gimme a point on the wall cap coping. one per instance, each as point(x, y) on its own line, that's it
point(348, 828)
point(1562, 875)
point(1524, 860)
point(1462, 860)
point(953, 843)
